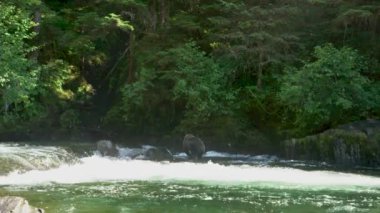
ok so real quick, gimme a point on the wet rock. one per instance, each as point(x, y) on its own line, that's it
point(107, 148)
point(11, 204)
point(193, 147)
point(147, 152)
point(357, 143)
point(131, 153)
point(371, 128)
point(158, 154)
point(346, 154)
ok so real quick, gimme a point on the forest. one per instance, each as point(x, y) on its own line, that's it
point(245, 72)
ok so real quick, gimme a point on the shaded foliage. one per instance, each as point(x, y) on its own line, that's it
point(186, 88)
point(328, 91)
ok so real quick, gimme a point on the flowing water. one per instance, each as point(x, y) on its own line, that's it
point(68, 179)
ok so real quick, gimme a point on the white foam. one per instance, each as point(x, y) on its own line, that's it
point(99, 169)
point(215, 154)
point(34, 157)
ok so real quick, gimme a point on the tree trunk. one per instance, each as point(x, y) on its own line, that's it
point(163, 12)
point(345, 33)
point(37, 29)
point(374, 27)
point(260, 72)
point(131, 71)
point(6, 107)
point(37, 20)
point(153, 15)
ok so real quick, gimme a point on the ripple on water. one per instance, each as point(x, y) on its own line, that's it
point(98, 184)
point(147, 196)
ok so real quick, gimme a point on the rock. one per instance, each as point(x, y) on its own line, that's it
point(352, 144)
point(370, 128)
point(193, 147)
point(147, 152)
point(158, 154)
point(107, 148)
point(11, 204)
point(131, 153)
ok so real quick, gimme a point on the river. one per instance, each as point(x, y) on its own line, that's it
point(74, 178)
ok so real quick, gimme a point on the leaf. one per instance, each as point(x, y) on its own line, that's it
point(120, 23)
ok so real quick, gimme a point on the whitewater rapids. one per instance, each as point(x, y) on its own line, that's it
point(102, 169)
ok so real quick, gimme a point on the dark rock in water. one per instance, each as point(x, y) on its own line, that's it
point(11, 204)
point(107, 148)
point(371, 128)
point(147, 152)
point(158, 154)
point(352, 144)
point(193, 147)
point(131, 153)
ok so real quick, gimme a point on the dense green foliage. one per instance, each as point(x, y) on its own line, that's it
point(157, 67)
point(185, 88)
point(328, 91)
point(18, 73)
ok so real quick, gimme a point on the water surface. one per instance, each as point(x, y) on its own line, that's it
point(56, 179)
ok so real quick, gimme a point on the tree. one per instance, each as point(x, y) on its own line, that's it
point(254, 34)
point(18, 73)
point(199, 82)
point(328, 91)
point(184, 90)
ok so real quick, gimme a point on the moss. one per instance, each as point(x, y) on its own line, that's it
point(350, 137)
point(371, 152)
point(338, 146)
point(325, 148)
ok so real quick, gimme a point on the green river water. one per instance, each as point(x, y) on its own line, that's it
point(61, 180)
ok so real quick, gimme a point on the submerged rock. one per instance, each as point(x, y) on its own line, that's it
point(147, 152)
point(11, 204)
point(158, 154)
point(356, 143)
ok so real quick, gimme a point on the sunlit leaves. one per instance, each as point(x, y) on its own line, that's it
point(17, 75)
point(120, 23)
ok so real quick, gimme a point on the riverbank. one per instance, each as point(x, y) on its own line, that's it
point(353, 144)
point(254, 143)
point(350, 145)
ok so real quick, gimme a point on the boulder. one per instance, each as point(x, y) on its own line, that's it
point(158, 154)
point(147, 152)
point(12, 204)
point(352, 144)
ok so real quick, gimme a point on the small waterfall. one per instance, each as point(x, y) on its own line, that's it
point(31, 165)
point(103, 169)
point(27, 157)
